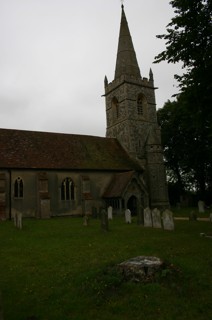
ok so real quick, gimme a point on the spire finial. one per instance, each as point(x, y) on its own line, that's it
point(122, 4)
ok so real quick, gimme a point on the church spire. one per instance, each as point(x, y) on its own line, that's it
point(126, 61)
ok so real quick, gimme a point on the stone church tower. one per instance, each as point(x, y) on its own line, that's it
point(131, 116)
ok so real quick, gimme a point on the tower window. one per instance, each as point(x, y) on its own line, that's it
point(67, 189)
point(18, 188)
point(141, 105)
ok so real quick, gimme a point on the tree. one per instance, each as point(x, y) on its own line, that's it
point(189, 40)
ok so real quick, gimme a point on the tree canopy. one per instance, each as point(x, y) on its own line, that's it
point(187, 122)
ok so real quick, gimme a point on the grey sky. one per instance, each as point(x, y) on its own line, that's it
point(54, 55)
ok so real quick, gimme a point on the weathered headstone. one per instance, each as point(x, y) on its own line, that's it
point(210, 217)
point(104, 220)
point(201, 206)
point(147, 217)
point(156, 218)
point(110, 213)
point(168, 220)
point(18, 219)
point(85, 220)
point(127, 216)
point(141, 268)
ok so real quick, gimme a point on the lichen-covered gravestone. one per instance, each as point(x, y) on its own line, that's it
point(156, 218)
point(147, 217)
point(141, 268)
point(168, 220)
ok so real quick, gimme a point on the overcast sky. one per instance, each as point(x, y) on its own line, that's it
point(54, 55)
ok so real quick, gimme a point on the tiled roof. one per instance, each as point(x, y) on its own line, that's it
point(43, 150)
point(118, 184)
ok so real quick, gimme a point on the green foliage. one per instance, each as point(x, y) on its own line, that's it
point(187, 141)
point(58, 269)
point(189, 40)
point(189, 119)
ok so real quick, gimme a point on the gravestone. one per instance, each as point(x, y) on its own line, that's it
point(110, 213)
point(104, 220)
point(85, 220)
point(141, 268)
point(156, 218)
point(127, 216)
point(18, 219)
point(210, 217)
point(201, 206)
point(147, 217)
point(168, 221)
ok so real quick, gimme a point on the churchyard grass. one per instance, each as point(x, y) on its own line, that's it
point(58, 269)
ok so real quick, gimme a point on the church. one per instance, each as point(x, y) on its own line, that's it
point(47, 175)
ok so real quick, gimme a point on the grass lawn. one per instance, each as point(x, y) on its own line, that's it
point(58, 269)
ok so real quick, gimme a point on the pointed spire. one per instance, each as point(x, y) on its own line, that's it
point(126, 61)
point(151, 78)
point(106, 81)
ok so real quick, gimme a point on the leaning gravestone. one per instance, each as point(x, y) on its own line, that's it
point(156, 218)
point(201, 206)
point(104, 220)
point(110, 213)
point(127, 216)
point(168, 221)
point(147, 217)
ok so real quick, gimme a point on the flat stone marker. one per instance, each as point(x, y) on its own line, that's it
point(127, 216)
point(141, 268)
point(156, 218)
point(147, 217)
point(168, 221)
point(110, 213)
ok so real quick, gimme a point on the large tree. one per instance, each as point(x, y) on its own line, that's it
point(189, 40)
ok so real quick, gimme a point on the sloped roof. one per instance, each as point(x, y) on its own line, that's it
point(118, 184)
point(44, 150)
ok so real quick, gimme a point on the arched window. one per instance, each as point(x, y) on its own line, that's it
point(141, 105)
point(115, 108)
point(18, 188)
point(67, 189)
